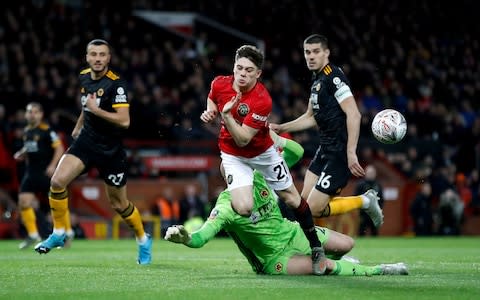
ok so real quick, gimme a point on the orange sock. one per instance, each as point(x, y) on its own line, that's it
point(68, 224)
point(58, 206)
point(132, 217)
point(29, 220)
point(341, 205)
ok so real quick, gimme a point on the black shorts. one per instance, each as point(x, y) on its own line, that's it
point(35, 183)
point(111, 164)
point(332, 169)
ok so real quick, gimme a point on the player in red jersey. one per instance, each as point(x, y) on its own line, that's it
point(245, 143)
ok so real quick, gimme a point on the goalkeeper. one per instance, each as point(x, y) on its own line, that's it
point(271, 243)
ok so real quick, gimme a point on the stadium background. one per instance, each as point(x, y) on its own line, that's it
point(407, 55)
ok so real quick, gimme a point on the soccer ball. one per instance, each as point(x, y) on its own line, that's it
point(389, 126)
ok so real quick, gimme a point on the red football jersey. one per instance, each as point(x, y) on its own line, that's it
point(252, 110)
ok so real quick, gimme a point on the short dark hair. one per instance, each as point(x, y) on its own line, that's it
point(252, 53)
point(317, 39)
point(98, 42)
point(36, 104)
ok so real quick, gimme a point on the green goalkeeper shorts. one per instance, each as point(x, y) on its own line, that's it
point(298, 245)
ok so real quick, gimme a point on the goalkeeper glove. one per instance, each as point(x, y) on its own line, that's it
point(178, 234)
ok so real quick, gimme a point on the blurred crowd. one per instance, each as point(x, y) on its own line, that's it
point(408, 56)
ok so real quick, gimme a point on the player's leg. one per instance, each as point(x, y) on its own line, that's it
point(28, 218)
point(68, 168)
point(70, 234)
point(238, 175)
point(300, 265)
point(336, 244)
point(368, 202)
point(241, 202)
point(130, 214)
point(317, 200)
point(328, 174)
point(113, 171)
point(294, 259)
point(278, 177)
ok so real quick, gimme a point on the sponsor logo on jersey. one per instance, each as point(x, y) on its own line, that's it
point(100, 92)
point(31, 146)
point(255, 217)
point(213, 214)
point(83, 100)
point(314, 100)
point(121, 99)
point(243, 109)
point(259, 118)
point(120, 90)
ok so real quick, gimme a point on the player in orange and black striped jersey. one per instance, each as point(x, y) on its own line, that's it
point(98, 143)
point(333, 109)
point(41, 151)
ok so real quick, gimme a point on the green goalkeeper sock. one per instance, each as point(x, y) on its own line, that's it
point(346, 268)
point(292, 152)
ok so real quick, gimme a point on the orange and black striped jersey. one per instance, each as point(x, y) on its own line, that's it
point(111, 91)
point(39, 143)
point(329, 88)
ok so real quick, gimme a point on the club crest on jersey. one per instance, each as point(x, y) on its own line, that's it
point(243, 109)
point(264, 193)
point(229, 179)
point(100, 92)
point(82, 90)
point(279, 267)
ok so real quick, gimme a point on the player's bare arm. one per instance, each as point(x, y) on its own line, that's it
point(20, 154)
point(353, 129)
point(241, 134)
point(305, 121)
point(210, 113)
point(120, 117)
point(78, 126)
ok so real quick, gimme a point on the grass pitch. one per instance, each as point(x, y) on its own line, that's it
point(440, 268)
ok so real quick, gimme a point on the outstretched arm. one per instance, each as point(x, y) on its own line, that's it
point(178, 234)
point(218, 218)
point(305, 121)
point(197, 239)
point(292, 151)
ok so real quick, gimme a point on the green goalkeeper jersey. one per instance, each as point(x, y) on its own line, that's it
point(259, 237)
